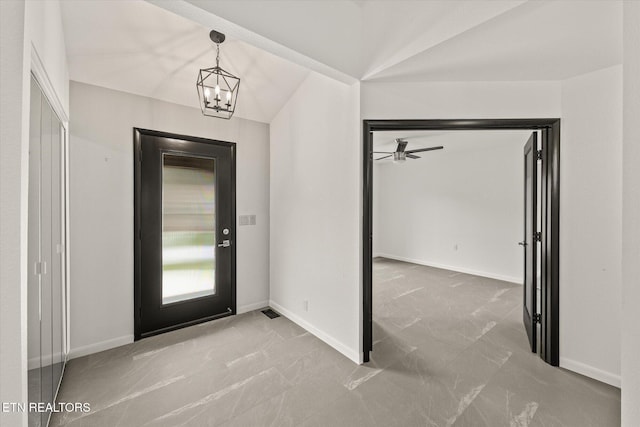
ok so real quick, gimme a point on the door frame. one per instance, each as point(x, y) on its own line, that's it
point(137, 285)
point(529, 243)
point(550, 216)
point(39, 72)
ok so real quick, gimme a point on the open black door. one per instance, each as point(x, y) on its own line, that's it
point(184, 231)
point(530, 238)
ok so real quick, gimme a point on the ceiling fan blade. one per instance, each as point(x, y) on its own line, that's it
point(384, 157)
point(401, 145)
point(382, 152)
point(412, 156)
point(419, 150)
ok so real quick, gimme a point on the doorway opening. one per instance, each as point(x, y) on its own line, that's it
point(547, 315)
point(184, 238)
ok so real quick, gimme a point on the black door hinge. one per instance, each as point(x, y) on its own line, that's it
point(536, 318)
point(539, 154)
point(537, 236)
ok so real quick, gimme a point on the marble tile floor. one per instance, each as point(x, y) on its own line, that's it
point(449, 350)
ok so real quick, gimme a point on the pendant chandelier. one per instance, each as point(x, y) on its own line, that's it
point(217, 88)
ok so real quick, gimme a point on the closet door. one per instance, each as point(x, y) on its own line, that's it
point(46, 318)
point(46, 242)
point(57, 253)
point(34, 266)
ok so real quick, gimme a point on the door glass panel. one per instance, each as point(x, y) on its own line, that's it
point(188, 228)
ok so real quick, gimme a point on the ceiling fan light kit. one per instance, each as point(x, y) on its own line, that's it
point(217, 88)
point(400, 155)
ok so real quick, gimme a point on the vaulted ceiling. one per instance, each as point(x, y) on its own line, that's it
point(155, 47)
point(435, 40)
point(136, 47)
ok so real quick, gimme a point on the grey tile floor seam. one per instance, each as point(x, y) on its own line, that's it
point(449, 350)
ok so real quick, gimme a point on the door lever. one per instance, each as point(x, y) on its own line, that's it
point(225, 244)
point(523, 243)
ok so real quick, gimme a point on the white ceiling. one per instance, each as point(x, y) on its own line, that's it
point(136, 47)
point(408, 40)
point(154, 48)
point(538, 40)
point(452, 141)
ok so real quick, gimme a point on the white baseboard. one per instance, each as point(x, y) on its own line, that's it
point(100, 346)
point(511, 279)
point(590, 371)
point(128, 339)
point(355, 356)
point(46, 360)
point(250, 307)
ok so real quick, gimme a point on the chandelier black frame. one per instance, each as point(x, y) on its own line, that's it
point(217, 88)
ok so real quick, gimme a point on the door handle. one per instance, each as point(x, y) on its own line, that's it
point(523, 243)
point(225, 244)
point(40, 268)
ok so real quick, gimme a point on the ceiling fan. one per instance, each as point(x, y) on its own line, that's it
point(400, 155)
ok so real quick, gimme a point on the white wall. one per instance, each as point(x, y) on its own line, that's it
point(44, 26)
point(101, 212)
point(591, 224)
point(14, 92)
point(31, 28)
point(315, 205)
point(590, 178)
point(631, 218)
point(454, 100)
point(459, 208)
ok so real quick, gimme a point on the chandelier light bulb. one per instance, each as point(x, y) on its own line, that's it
point(229, 97)
point(217, 91)
point(207, 94)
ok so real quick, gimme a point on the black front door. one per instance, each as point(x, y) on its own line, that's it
point(184, 231)
point(530, 241)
